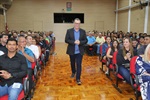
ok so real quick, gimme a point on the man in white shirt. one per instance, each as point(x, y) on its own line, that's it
point(32, 47)
point(99, 41)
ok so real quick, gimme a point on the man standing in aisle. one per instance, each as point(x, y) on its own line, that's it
point(76, 39)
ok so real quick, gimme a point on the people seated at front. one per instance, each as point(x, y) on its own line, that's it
point(46, 43)
point(32, 47)
point(28, 54)
point(141, 50)
point(105, 46)
point(91, 46)
point(141, 40)
point(36, 42)
point(42, 43)
point(13, 68)
point(99, 41)
point(120, 38)
point(111, 50)
point(123, 59)
point(143, 72)
point(3, 40)
point(135, 45)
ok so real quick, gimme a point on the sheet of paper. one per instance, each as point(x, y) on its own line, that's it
point(16, 85)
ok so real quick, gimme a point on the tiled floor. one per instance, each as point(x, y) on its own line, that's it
point(55, 82)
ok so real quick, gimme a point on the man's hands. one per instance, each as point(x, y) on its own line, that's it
point(21, 48)
point(5, 74)
point(77, 42)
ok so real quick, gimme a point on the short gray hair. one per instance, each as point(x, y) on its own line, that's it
point(76, 19)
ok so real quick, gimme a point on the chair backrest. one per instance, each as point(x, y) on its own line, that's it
point(100, 49)
point(132, 65)
point(33, 64)
point(114, 59)
point(107, 49)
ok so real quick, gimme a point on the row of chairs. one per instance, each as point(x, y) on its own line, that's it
point(37, 67)
point(114, 68)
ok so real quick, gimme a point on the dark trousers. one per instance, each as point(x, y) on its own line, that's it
point(30, 74)
point(76, 67)
point(91, 50)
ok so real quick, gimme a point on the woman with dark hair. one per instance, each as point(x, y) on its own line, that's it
point(105, 46)
point(123, 57)
point(120, 38)
point(111, 50)
point(134, 35)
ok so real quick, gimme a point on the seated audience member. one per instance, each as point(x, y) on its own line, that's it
point(141, 50)
point(140, 35)
point(13, 68)
point(44, 47)
point(143, 72)
point(15, 35)
point(99, 41)
point(35, 42)
point(47, 39)
point(123, 57)
point(145, 34)
point(105, 46)
point(141, 40)
point(32, 47)
point(135, 45)
point(53, 42)
point(22, 32)
point(3, 40)
point(91, 44)
point(111, 50)
point(134, 35)
point(27, 53)
point(42, 43)
point(120, 38)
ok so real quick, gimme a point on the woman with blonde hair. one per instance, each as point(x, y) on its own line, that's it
point(143, 72)
point(123, 58)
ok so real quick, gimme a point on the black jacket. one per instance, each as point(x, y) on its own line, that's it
point(70, 39)
point(120, 57)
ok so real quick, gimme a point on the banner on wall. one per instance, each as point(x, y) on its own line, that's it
point(69, 6)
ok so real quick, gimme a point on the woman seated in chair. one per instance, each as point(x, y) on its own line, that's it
point(123, 58)
point(143, 72)
point(111, 50)
point(106, 45)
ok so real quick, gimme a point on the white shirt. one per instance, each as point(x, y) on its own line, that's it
point(35, 50)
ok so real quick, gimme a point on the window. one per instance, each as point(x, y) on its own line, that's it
point(67, 17)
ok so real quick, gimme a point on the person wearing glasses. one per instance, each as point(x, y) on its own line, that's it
point(76, 39)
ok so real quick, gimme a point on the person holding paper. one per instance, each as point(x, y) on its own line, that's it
point(12, 71)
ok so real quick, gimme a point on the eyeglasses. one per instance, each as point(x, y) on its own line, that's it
point(77, 23)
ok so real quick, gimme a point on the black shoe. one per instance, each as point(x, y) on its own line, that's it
point(72, 75)
point(28, 98)
point(78, 82)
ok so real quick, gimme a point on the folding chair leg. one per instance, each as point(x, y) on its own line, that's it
point(137, 95)
point(102, 69)
point(108, 75)
point(116, 85)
